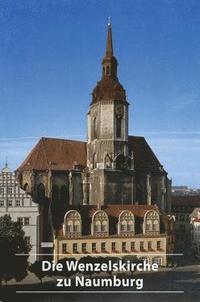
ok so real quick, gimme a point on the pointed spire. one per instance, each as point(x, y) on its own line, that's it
point(109, 87)
point(6, 169)
point(109, 46)
point(6, 162)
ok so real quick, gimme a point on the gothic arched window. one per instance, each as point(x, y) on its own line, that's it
point(97, 226)
point(130, 226)
point(139, 193)
point(40, 194)
point(95, 128)
point(123, 225)
point(72, 223)
point(55, 193)
point(100, 223)
point(151, 223)
point(64, 195)
point(126, 222)
point(26, 187)
point(156, 225)
point(154, 194)
point(118, 126)
point(107, 70)
point(120, 161)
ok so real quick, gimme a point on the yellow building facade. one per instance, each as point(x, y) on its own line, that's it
point(114, 231)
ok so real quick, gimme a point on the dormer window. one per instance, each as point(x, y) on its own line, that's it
point(100, 223)
point(126, 224)
point(151, 224)
point(72, 224)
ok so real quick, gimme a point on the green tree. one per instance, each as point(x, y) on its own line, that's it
point(12, 242)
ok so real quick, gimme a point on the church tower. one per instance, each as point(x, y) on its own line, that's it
point(108, 159)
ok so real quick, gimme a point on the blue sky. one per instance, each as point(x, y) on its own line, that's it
point(50, 60)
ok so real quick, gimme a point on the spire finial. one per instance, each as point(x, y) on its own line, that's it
point(6, 162)
point(109, 46)
point(109, 21)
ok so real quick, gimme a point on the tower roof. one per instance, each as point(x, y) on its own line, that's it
point(6, 169)
point(109, 87)
point(61, 154)
point(109, 44)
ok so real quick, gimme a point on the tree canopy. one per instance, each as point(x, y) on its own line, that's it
point(12, 242)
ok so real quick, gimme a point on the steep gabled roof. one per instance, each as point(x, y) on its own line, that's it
point(144, 157)
point(62, 154)
point(55, 154)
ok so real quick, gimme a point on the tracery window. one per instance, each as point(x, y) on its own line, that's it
point(100, 223)
point(40, 193)
point(151, 222)
point(72, 223)
point(118, 126)
point(126, 222)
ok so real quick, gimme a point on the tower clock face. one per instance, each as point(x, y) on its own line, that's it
point(119, 110)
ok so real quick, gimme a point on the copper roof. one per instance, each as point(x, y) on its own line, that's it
point(63, 154)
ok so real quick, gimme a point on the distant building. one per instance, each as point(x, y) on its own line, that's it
point(19, 205)
point(182, 207)
point(184, 190)
point(195, 231)
point(115, 230)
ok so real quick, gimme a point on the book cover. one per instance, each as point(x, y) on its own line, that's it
point(99, 150)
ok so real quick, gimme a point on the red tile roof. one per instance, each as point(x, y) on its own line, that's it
point(62, 154)
point(55, 154)
point(137, 210)
point(186, 200)
point(143, 154)
point(113, 211)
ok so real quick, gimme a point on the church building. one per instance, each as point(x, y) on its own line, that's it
point(111, 168)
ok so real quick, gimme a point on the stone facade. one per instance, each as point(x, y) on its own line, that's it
point(112, 167)
point(182, 208)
